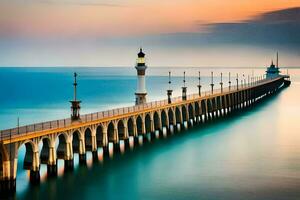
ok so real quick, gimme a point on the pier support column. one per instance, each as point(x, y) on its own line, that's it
point(152, 135)
point(51, 165)
point(136, 141)
point(69, 162)
point(82, 153)
point(117, 147)
point(105, 151)
point(9, 166)
point(94, 142)
point(94, 145)
point(82, 159)
point(35, 168)
point(126, 143)
point(145, 138)
point(95, 155)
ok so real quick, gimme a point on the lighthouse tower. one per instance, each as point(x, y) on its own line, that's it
point(140, 95)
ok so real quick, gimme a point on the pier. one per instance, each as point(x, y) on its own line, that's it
point(83, 133)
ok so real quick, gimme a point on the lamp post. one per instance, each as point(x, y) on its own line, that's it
point(212, 83)
point(184, 88)
point(229, 82)
point(237, 81)
point(75, 105)
point(221, 83)
point(169, 91)
point(199, 85)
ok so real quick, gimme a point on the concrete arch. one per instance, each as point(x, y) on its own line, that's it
point(100, 135)
point(130, 127)
point(164, 119)
point(148, 122)
point(184, 113)
point(29, 154)
point(88, 139)
point(157, 121)
point(214, 104)
point(197, 109)
point(121, 129)
point(227, 98)
point(139, 125)
point(45, 151)
point(76, 141)
point(171, 115)
point(61, 151)
point(178, 115)
point(191, 111)
point(209, 105)
point(203, 107)
point(218, 103)
point(111, 132)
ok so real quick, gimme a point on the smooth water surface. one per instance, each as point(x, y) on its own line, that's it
point(252, 155)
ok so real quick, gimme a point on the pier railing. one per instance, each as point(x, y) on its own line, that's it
point(64, 123)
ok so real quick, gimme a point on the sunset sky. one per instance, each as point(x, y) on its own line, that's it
point(172, 32)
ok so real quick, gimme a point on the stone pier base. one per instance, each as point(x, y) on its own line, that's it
point(126, 144)
point(95, 155)
point(117, 148)
point(51, 170)
point(105, 151)
point(69, 165)
point(145, 139)
point(7, 187)
point(35, 177)
point(136, 141)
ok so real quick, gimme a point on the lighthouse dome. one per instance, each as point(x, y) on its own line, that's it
point(141, 54)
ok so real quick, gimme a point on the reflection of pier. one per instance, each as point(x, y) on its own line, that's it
point(62, 138)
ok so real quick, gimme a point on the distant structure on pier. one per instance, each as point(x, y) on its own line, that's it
point(141, 93)
point(75, 104)
point(273, 71)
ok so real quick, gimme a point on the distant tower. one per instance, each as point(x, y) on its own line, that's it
point(75, 108)
point(169, 91)
point(141, 93)
point(273, 71)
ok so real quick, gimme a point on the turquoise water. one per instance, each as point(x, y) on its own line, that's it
point(253, 155)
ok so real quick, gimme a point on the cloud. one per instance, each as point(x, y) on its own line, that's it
point(276, 28)
point(71, 2)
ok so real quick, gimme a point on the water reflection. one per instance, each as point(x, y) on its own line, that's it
point(253, 155)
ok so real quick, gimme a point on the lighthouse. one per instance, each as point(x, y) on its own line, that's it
point(141, 93)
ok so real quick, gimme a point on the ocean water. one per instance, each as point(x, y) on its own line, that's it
point(252, 155)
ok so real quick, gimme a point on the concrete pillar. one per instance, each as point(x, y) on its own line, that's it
point(126, 134)
point(10, 162)
point(105, 146)
point(136, 141)
point(35, 170)
point(52, 165)
point(135, 131)
point(126, 143)
point(95, 156)
point(94, 140)
point(69, 162)
point(117, 147)
point(106, 151)
point(82, 152)
point(152, 128)
point(145, 138)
